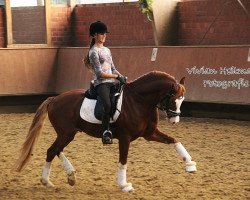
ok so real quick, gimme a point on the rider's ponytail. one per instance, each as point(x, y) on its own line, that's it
point(86, 58)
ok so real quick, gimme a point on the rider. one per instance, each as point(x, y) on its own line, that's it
point(99, 59)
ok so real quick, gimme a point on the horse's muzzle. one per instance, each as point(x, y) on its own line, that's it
point(174, 120)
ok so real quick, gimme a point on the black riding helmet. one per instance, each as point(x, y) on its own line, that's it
point(97, 27)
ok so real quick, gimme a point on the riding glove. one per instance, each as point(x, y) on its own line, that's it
point(122, 79)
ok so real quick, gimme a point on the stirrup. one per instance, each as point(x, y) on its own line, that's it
point(107, 137)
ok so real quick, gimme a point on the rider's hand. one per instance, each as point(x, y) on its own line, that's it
point(122, 79)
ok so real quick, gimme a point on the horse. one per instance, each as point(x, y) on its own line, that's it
point(139, 117)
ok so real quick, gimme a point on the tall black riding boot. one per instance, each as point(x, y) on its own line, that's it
point(107, 134)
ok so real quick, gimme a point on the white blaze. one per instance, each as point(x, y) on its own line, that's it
point(178, 110)
point(178, 103)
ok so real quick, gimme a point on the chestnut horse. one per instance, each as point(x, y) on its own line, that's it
point(138, 118)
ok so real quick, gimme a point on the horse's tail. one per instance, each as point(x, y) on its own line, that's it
point(33, 134)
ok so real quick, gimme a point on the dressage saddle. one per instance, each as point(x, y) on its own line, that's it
point(115, 93)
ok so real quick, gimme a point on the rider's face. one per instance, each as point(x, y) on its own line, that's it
point(100, 37)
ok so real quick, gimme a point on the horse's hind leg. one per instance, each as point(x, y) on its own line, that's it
point(45, 175)
point(69, 169)
point(51, 153)
point(56, 149)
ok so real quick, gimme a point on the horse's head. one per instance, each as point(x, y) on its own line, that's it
point(171, 102)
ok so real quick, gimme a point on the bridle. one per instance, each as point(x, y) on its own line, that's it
point(164, 103)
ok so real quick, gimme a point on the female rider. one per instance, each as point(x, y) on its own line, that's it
point(99, 59)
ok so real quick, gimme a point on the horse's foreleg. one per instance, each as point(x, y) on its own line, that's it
point(161, 137)
point(190, 165)
point(164, 138)
point(68, 168)
point(122, 179)
point(122, 169)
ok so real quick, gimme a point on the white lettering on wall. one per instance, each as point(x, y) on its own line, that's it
point(234, 70)
point(201, 70)
point(240, 83)
point(222, 71)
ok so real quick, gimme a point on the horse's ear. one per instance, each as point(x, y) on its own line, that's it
point(183, 81)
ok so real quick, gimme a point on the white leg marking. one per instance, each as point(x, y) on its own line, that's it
point(122, 173)
point(46, 170)
point(67, 166)
point(122, 179)
point(190, 165)
point(45, 175)
point(182, 152)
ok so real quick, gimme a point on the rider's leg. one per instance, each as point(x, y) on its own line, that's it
point(103, 91)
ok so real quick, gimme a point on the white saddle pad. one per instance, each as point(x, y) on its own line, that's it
point(88, 107)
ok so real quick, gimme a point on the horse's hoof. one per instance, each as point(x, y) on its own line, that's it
point(127, 187)
point(47, 183)
point(191, 167)
point(72, 178)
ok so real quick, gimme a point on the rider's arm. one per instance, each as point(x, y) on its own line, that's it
point(113, 68)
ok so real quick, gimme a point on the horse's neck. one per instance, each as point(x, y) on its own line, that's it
point(151, 91)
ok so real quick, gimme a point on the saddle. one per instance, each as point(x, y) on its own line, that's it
point(115, 93)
